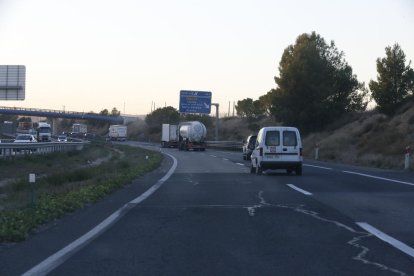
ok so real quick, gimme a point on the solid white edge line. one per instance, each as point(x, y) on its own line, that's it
point(62, 255)
point(299, 190)
point(319, 167)
point(380, 178)
point(388, 239)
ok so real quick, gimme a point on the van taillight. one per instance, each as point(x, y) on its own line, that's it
point(300, 151)
point(261, 151)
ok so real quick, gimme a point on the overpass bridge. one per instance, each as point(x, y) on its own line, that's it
point(60, 114)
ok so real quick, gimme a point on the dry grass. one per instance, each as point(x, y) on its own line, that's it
point(369, 139)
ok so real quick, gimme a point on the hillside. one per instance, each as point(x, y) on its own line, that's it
point(369, 139)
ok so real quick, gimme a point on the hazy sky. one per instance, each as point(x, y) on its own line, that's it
point(87, 55)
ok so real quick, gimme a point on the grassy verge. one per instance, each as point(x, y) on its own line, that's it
point(65, 191)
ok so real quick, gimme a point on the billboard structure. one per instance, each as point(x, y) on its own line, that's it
point(12, 82)
point(195, 102)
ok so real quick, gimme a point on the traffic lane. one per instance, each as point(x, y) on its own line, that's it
point(220, 241)
point(385, 205)
point(398, 175)
point(232, 223)
point(270, 238)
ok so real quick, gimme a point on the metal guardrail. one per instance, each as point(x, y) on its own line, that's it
point(227, 145)
point(10, 150)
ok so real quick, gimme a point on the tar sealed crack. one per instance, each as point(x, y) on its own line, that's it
point(355, 241)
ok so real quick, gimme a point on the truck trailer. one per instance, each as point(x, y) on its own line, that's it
point(192, 135)
point(118, 132)
point(169, 136)
point(79, 130)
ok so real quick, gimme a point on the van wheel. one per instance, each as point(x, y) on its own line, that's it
point(299, 170)
point(259, 170)
point(252, 169)
point(289, 171)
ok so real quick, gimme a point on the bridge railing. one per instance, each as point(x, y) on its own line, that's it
point(10, 150)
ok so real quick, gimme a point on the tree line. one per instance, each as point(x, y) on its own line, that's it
point(316, 85)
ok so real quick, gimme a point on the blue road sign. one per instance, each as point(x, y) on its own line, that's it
point(195, 102)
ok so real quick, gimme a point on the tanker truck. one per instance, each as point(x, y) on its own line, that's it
point(192, 135)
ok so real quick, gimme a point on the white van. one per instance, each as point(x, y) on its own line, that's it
point(277, 147)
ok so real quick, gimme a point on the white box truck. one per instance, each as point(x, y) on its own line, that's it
point(169, 137)
point(79, 130)
point(118, 132)
point(44, 132)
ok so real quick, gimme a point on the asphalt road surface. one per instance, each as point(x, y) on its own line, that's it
point(209, 216)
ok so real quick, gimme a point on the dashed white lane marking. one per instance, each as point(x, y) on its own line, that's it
point(212, 155)
point(319, 167)
point(225, 159)
point(380, 178)
point(388, 239)
point(240, 164)
point(62, 255)
point(299, 190)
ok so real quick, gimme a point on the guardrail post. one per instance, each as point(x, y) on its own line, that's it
point(316, 151)
point(407, 158)
point(32, 181)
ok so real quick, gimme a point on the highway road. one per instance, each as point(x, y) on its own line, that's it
point(203, 213)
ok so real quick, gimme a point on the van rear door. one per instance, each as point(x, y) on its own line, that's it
point(272, 146)
point(290, 147)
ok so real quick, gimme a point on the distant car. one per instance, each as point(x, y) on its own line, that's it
point(62, 138)
point(25, 138)
point(90, 136)
point(248, 147)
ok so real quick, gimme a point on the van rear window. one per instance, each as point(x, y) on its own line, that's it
point(272, 138)
point(289, 139)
